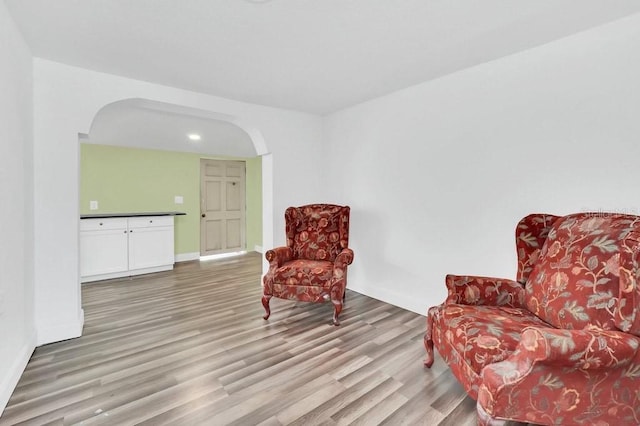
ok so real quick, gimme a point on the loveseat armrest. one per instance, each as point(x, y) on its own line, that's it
point(587, 349)
point(558, 375)
point(279, 255)
point(488, 291)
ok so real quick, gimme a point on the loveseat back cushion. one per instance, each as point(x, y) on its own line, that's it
point(531, 233)
point(575, 282)
point(628, 313)
point(317, 231)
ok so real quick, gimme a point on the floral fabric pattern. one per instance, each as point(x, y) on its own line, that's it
point(479, 335)
point(566, 348)
point(313, 265)
point(302, 293)
point(531, 233)
point(317, 231)
point(484, 291)
point(564, 377)
point(627, 315)
point(575, 282)
point(304, 272)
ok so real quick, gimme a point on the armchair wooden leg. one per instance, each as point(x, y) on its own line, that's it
point(428, 345)
point(265, 303)
point(428, 340)
point(337, 308)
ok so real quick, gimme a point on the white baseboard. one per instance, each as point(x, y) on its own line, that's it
point(259, 249)
point(404, 301)
point(186, 257)
point(57, 332)
point(9, 382)
point(122, 274)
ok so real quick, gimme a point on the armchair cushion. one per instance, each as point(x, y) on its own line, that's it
point(317, 231)
point(302, 272)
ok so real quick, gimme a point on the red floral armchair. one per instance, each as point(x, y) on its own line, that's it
point(561, 344)
point(313, 265)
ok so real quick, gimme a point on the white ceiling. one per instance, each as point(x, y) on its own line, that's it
point(317, 56)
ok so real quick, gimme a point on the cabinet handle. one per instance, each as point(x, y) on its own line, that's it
point(125, 231)
point(100, 223)
point(131, 230)
point(150, 221)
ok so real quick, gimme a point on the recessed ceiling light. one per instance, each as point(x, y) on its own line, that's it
point(194, 137)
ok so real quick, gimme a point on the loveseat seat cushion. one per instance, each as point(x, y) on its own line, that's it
point(304, 273)
point(575, 282)
point(481, 335)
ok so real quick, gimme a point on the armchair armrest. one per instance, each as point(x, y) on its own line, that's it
point(277, 256)
point(344, 258)
point(470, 290)
point(588, 349)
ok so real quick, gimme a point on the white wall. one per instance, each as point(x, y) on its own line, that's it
point(17, 334)
point(66, 100)
point(438, 175)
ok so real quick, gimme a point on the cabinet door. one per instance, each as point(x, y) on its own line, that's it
point(150, 247)
point(103, 251)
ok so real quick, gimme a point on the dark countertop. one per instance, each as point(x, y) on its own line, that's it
point(107, 215)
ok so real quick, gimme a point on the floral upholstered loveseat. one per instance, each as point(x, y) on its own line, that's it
point(560, 345)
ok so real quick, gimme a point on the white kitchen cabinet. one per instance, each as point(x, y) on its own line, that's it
point(150, 242)
point(103, 246)
point(123, 246)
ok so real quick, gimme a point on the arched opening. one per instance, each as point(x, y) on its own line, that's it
point(152, 125)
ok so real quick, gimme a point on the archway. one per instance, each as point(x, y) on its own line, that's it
point(144, 123)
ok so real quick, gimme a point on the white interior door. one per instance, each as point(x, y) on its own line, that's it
point(222, 206)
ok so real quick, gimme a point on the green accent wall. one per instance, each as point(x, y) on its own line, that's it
point(141, 180)
point(254, 202)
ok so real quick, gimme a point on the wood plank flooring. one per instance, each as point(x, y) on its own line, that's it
point(190, 347)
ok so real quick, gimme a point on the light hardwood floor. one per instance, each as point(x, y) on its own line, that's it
point(190, 347)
